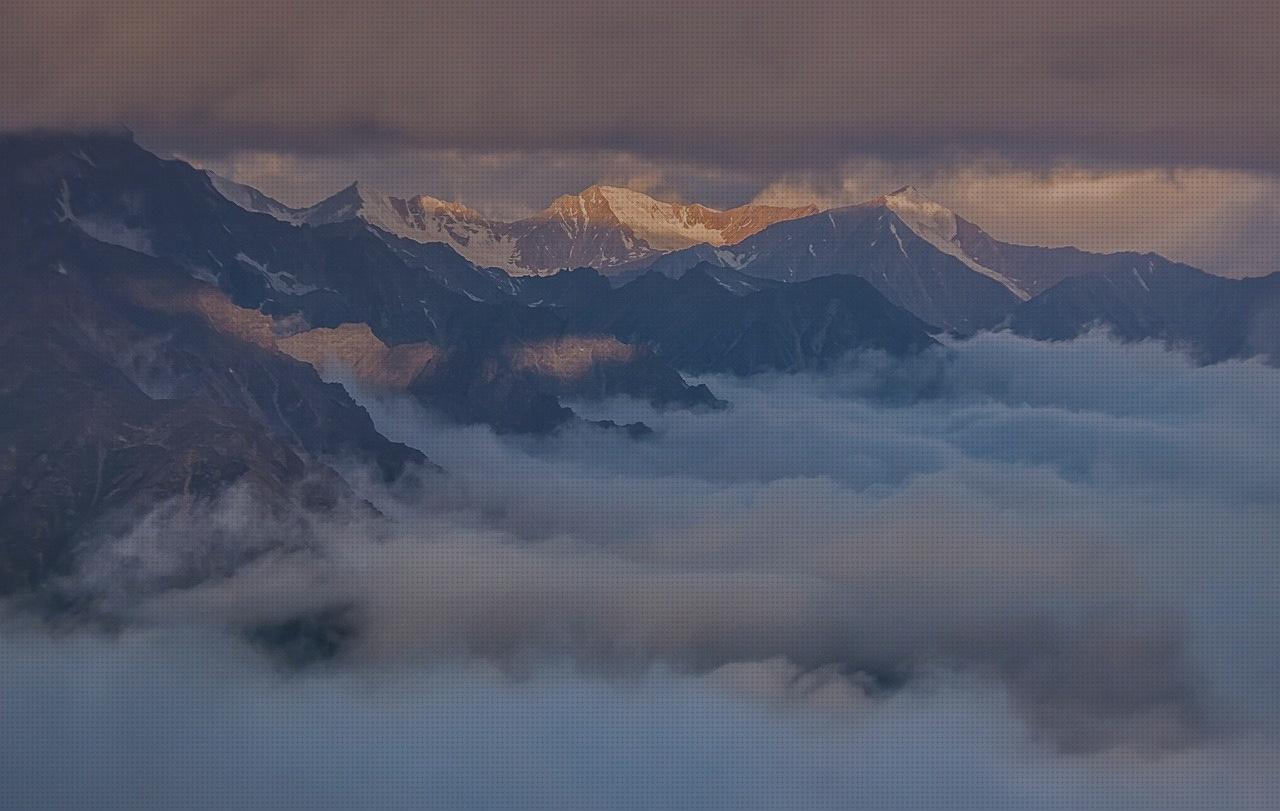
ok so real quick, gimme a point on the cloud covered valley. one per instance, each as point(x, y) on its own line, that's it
point(951, 580)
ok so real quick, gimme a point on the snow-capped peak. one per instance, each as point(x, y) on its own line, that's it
point(602, 226)
point(357, 200)
point(425, 206)
point(623, 200)
point(665, 226)
point(937, 225)
point(922, 214)
point(251, 199)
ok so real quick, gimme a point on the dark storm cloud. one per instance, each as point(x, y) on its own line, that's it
point(757, 84)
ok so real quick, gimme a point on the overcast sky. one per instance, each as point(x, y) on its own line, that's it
point(1123, 124)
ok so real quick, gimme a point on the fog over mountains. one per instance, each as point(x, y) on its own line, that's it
point(695, 405)
point(162, 281)
point(823, 464)
point(142, 279)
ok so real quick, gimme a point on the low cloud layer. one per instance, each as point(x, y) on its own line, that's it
point(160, 721)
point(1079, 536)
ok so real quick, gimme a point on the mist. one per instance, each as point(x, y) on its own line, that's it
point(159, 720)
point(1005, 574)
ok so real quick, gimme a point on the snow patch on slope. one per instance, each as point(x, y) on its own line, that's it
point(602, 226)
point(937, 225)
point(251, 199)
point(422, 219)
point(101, 228)
point(733, 259)
point(664, 226)
point(280, 281)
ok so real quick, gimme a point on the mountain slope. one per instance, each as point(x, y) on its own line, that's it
point(919, 254)
point(1211, 317)
point(650, 225)
point(161, 345)
point(705, 322)
point(703, 326)
point(494, 350)
point(939, 226)
point(423, 219)
point(110, 190)
point(126, 386)
point(870, 241)
point(251, 199)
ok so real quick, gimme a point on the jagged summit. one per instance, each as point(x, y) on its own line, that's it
point(250, 198)
point(916, 209)
point(363, 197)
point(356, 200)
point(663, 225)
point(456, 208)
point(659, 225)
point(355, 191)
point(602, 226)
point(908, 196)
point(940, 227)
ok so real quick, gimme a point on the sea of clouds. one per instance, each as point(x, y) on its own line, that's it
point(1004, 575)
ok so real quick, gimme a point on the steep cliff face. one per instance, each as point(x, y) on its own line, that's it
point(126, 386)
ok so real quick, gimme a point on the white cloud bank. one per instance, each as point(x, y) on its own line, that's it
point(1005, 575)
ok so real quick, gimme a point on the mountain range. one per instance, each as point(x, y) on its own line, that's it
point(162, 343)
point(601, 226)
point(1210, 317)
point(919, 254)
point(164, 332)
point(922, 256)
